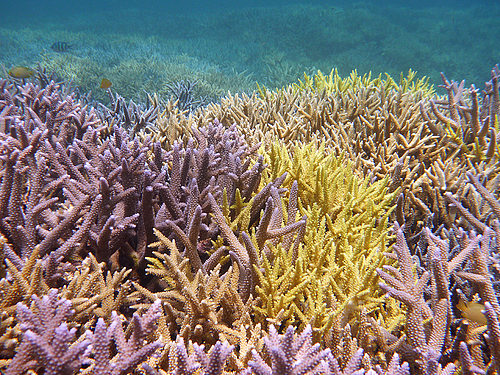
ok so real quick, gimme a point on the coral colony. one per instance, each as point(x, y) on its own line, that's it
point(335, 226)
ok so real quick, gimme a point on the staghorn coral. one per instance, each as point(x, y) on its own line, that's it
point(183, 94)
point(171, 125)
point(185, 275)
point(343, 242)
point(47, 341)
point(429, 318)
point(131, 351)
point(90, 293)
point(199, 362)
point(385, 128)
point(56, 172)
point(216, 303)
point(115, 175)
point(482, 209)
point(247, 242)
point(95, 293)
point(468, 129)
point(26, 279)
point(290, 354)
point(468, 125)
point(307, 115)
point(335, 83)
point(269, 228)
point(295, 354)
point(197, 305)
point(132, 117)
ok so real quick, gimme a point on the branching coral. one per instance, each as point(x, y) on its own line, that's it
point(334, 269)
point(334, 83)
point(197, 305)
point(230, 252)
point(216, 303)
point(47, 341)
point(471, 127)
point(385, 128)
point(131, 351)
point(199, 362)
point(49, 344)
point(95, 293)
point(132, 117)
point(290, 353)
point(428, 322)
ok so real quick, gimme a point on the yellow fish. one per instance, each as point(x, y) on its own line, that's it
point(472, 311)
point(105, 84)
point(21, 72)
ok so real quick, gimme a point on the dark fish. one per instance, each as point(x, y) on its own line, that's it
point(62, 47)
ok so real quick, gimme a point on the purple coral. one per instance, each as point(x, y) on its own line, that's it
point(290, 354)
point(131, 351)
point(47, 342)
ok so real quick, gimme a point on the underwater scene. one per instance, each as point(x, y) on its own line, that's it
point(265, 187)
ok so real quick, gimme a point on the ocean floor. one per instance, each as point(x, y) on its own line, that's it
point(145, 50)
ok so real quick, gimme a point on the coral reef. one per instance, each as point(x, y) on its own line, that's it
point(385, 128)
point(340, 227)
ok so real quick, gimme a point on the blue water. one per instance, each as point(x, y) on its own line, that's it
point(73, 8)
point(272, 42)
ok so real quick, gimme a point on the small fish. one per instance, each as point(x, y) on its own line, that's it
point(62, 47)
point(105, 84)
point(21, 72)
point(472, 311)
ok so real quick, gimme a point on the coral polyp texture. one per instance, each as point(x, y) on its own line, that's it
point(334, 226)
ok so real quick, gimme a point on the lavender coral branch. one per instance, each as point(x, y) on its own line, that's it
point(132, 351)
point(47, 341)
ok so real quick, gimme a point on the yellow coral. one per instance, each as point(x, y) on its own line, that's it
point(334, 83)
point(333, 272)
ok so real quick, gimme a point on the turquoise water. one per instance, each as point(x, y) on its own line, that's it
point(229, 45)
